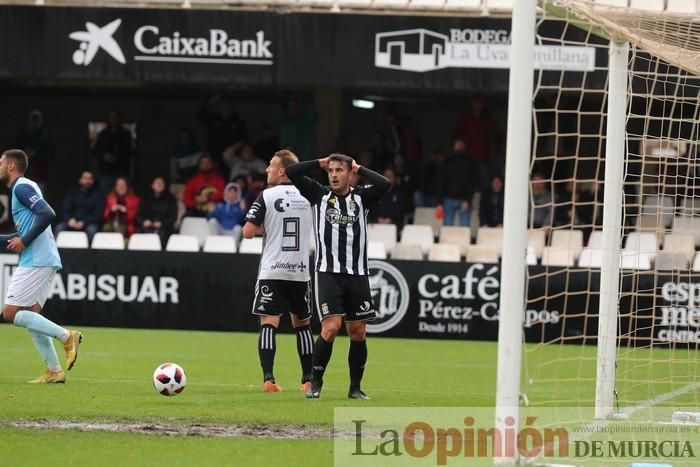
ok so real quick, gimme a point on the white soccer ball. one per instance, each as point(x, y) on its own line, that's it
point(169, 379)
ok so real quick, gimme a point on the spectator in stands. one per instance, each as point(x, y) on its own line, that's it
point(246, 195)
point(121, 207)
point(430, 178)
point(243, 161)
point(82, 207)
point(204, 189)
point(492, 201)
point(479, 131)
point(541, 212)
point(457, 187)
point(382, 156)
point(296, 122)
point(113, 151)
point(223, 125)
point(35, 140)
point(158, 211)
point(185, 156)
point(228, 216)
point(393, 206)
point(406, 141)
point(576, 207)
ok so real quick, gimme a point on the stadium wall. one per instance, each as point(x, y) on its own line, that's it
point(414, 299)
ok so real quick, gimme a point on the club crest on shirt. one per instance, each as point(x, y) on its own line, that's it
point(334, 216)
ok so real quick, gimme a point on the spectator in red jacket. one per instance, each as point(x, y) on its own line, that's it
point(204, 189)
point(120, 210)
point(479, 131)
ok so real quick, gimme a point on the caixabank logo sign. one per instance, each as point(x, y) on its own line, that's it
point(421, 50)
point(154, 43)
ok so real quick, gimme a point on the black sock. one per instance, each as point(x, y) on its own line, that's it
point(305, 349)
point(322, 355)
point(266, 350)
point(357, 357)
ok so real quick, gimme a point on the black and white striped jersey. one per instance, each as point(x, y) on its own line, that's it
point(286, 216)
point(340, 221)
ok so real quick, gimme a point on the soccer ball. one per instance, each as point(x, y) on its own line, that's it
point(169, 379)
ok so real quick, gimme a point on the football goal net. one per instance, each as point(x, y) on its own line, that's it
point(619, 261)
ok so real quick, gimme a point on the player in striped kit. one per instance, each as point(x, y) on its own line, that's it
point(284, 217)
point(38, 262)
point(341, 283)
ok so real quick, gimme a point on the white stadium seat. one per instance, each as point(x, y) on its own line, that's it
point(635, 260)
point(491, 237)
point(376, 250)
point(68, 239)
point(460, 236)
point(182, 243)
point(571, 240)
point(385, 233)
point(557, 256)
point(144, 242)
point(219, 244)
point(418, 234)
point(642, 242)
point(590, 258)
point(536, 239)
point(483, 254)
point(426, 216)
point(196, 226)
point(445, 252)
point(251, 246)
point(108, 241)
point(407, 251)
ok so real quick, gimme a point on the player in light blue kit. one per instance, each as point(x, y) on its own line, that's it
point(38, 263)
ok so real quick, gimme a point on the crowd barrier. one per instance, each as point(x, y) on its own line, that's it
point(413, 299)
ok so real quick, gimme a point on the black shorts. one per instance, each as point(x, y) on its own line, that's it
point(275, 297)
point(344, 294)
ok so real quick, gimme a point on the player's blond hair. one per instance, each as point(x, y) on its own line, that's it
point(286, 157)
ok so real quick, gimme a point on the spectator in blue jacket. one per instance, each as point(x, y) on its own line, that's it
point(228, 216)
point(82, 207)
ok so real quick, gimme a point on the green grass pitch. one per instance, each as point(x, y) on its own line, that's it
point(111, 384)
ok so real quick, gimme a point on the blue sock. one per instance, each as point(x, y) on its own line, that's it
point(45, 347)
point(36, 322)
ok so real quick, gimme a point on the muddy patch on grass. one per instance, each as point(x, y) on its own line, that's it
point(207, 431)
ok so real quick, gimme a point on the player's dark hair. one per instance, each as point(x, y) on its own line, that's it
point(19, 157)
point(336, 156)
point(286, 157)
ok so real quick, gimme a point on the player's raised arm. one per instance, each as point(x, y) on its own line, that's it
point(299, 175)
point(29, 198)
point(378, 184)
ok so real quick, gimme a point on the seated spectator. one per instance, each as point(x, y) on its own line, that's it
point(203, 190)
point(243, 161)
point(492, 202)
point(541, 212)
point(247, 196)
point(121, 208)
point(185, 156)
point(228, 216)
point(158, 211)
point(82, 207)
point(393, 206)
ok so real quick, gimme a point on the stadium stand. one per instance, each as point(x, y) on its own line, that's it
point(144, 242)
point(178, 242)
point(195, 226)
point(219, 244)
point(108, 241)
point(251, 245)
point(68, 239)
point(376, 250)
point(420, 235)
